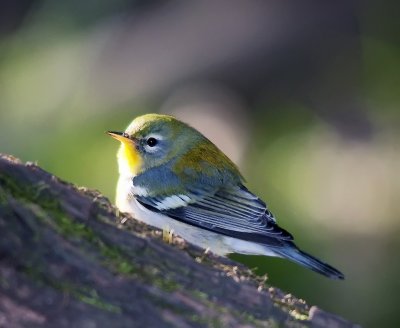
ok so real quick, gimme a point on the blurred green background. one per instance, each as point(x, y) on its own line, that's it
point(304, 97)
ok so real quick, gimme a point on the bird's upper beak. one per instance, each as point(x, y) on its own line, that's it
point(120, 136)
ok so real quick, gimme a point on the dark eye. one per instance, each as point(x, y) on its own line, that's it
point(151, 142)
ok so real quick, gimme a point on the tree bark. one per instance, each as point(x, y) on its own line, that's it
point(69, 259)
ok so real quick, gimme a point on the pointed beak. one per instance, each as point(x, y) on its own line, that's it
point(120, 136)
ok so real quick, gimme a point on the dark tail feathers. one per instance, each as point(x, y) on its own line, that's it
point(291, 252)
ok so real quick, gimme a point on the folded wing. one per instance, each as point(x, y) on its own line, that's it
point(232, 211)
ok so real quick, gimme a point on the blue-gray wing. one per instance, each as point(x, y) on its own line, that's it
point(232, 211)
point(161, 187)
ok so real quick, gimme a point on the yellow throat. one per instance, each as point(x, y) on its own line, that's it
point(129, 159)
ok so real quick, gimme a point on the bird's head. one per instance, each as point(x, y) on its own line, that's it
point(152, 140)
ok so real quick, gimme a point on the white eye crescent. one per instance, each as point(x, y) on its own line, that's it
point(152, 142)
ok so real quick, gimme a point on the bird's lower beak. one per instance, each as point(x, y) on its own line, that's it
point(120, 136)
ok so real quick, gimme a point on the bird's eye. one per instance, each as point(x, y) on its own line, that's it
point(151, 142)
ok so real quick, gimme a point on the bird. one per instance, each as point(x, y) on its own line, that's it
point(174, 178)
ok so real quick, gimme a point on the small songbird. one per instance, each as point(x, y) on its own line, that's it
point(174, 178)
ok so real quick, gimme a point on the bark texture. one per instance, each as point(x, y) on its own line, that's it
point(69, 259)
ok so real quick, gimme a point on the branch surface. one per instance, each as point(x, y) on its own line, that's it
point(69, 259)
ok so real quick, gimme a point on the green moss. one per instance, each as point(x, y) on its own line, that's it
point(115, 258)
point(40, 199)
point(167, 285)
point(8, 184)
point(41, 195)
point(3, 196)
point(68, 228)
point(84, 294)
point(92, 298)
point(199, 295)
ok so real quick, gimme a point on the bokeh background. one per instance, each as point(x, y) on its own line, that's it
point(303, 95)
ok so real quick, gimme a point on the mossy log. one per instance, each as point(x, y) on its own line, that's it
point(69, 259)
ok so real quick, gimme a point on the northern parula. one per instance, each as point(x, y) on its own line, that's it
point(173, 177)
